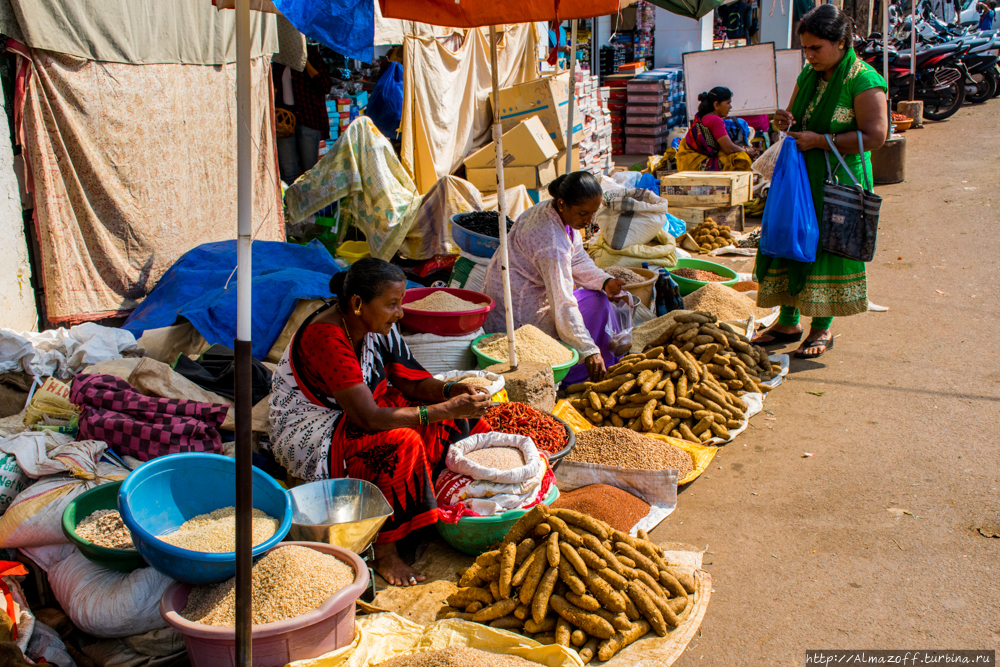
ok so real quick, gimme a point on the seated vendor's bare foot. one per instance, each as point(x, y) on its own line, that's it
point(392, 568)
point(779, 333)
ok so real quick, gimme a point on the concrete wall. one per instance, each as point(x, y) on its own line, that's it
point(17, 299)
point(675, 35)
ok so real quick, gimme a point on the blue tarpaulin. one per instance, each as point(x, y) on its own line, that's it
point(346, 26)
point(196, 288)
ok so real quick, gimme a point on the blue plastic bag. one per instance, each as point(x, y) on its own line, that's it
point(675, 226)
point(385, 107)
point(789, 228)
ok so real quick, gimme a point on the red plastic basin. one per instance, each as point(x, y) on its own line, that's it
point(274, 644)
point(445, 323)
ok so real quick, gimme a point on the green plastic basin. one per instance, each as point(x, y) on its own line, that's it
point(474, 535)
point(687, 285)
point(104, 497)
point(559, 371)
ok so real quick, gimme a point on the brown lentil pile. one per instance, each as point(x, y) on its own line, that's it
point(746, 286)
point(724, 302)
point(616, 507)
point(216, 532)
point(698, 274)
point(624, 274)
point(456, 656)
point(533, 344)
point(105, 528)
point(625, 448)
point(287, 582)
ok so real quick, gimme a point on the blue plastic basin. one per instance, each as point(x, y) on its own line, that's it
point(165, 492)
point(479, 245)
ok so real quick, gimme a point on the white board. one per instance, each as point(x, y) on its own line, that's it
point(748, 71)
point(788, 65)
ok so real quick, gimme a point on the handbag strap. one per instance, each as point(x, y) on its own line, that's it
point(829, 168)
point(830, 173)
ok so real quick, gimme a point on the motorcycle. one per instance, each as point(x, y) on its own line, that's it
point(939, 79)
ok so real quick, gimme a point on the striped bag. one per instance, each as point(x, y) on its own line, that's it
point(850, 213)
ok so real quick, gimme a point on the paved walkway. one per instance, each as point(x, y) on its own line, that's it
point(874, 542)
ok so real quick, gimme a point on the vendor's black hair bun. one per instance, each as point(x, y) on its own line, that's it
point(575, 188)
point(366, 278)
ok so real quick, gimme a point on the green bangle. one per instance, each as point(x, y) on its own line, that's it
point(422, 412)
point(447, 389)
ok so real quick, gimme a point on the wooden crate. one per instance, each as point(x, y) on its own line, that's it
point(707, 188)
point(731, 216)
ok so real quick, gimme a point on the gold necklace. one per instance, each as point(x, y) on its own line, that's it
point(346, 329)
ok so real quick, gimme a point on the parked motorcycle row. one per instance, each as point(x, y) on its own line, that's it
point(953, 65)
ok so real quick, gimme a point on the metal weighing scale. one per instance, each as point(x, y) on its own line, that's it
point(345, 512)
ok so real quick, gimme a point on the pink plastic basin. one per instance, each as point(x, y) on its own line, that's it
point(274, 644)
point(446, 323)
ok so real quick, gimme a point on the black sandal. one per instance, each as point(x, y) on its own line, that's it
point(778, 338)
point(823, 343)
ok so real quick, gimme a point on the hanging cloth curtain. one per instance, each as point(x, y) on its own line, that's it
point(477, 14)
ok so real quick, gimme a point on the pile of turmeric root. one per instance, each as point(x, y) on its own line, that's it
point(563, 577)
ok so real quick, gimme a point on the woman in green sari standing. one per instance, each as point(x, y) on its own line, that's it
point(837, 94)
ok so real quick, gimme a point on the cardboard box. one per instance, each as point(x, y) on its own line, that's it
point(547, 98)
point(527, 145)
point(701, 188)
point(560, 161)
point(532, 178)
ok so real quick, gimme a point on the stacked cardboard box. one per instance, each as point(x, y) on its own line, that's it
point(646, 117)
point(595, 144)
point(529, 159)
point(617, 105)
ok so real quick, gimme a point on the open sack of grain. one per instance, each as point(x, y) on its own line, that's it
point(490, 473)
point(731, 306)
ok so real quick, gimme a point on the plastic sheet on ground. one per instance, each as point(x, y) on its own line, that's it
point(383, 635)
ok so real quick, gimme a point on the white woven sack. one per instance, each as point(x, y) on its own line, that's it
point(631, 217)
point(64, 471)
point(457, 462)
point(456, 376)
point(440, 354)
point(105, 603)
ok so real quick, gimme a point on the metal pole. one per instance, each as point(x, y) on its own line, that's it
point(572, 98)
point(913, 50)
point(885, 47)
point(501, 203)
point(244, 468)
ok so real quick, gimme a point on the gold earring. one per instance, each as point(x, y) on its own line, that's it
point(357, 311)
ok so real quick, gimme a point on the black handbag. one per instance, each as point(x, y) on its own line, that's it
point(850, 213)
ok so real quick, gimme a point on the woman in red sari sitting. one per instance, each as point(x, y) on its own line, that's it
point(349, 400)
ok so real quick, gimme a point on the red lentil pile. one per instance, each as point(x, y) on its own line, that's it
point(548, 434)
point(614, 506)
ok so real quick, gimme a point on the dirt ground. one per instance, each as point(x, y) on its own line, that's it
point(876, 540)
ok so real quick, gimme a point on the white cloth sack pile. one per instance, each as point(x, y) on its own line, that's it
point(106, 603)
point(48, 645)
point(64, 469)
point(12, 480)
point(497, 380)
point(631, 217)
point(62, 352)
point(488, 491)
point(440, 354)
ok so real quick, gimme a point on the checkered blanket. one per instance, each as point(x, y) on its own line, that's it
point(142, 426)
